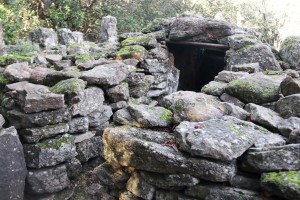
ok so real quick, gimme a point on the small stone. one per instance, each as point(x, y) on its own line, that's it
point(53, 58)
point(2, 121)
point(119, 105)
point(142, 40)
point(289, 86)
point(139, 187)
point(230, 99)
point(246, 182)
point(74, 168)
point(137, 52)
point(289, 106)
point(214, 88)
point(62, 64)
point(88, 146)
point(100, 116)
point(45, 37)
point(228, 76)
point(78, 125)
point(18, 72)
point(249, 67)
point(295, 136)
point(118, 93)
point(69, 86)
point(235, 111)
point(286, 126)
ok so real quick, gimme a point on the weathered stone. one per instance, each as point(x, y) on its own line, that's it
point(295, 136)
point(118, 93)
point(191, 106)
point(88, 146)
point(93, 63)
point(124, 36)
point(39, 73)
point(169, 181)
point(18, 72)
point(2, 44)
point(290, 86)
point(78, 125)
point(269, 139)
point(106, 75)
point(74, 168)
point(249, 67)
point(127, 196)
point(34, 135)
point(289, 106)
point(286, 126)
point(69, 86)
point(156, 152)
point(12, 165)
point(131, 61)
point(264, 116)
point(21, 120)
point(204, 138)
point(230, 99)
point(34, 98)
point(89, 100)
point(239, 41)
point(235, 111)
point(108, 29)
point(62, 64)
point(212, 192)
point(142, 40)
point(47, 180)
point(50, 152)
point(53, 58)
point(139, 84)
point(45, 37)
point(214, 88)
point(275, 158)
point(228, 76)
point(119, 105)
point(159, 24)
point(283, 184)
point(161, 53)
point(57, 76)
point(170, 195)
point(139, 187)
point(289, 51)
point(66, 36)
point(259, 53)
point(256, 89)
point(249, 182)
point(137, 52)
point(154, 66)
point(2, 121)
point(100, 116)
point(199, 29)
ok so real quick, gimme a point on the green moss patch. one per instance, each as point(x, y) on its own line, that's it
point(11, 58)
point(138, 52)
point(167, 115)
point(83, 58)
point(283, 179)
point(72, 85)
point(57, 143)
point(138, 40)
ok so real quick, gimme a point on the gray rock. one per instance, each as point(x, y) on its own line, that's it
point(264, 116)
point(160, 52)
point(139, 187)
point(66, 36)
point(230, 99)
point(249, 67)
point(269, 139)
point(127, 196)
point(74, 168)
point(214, 88)
point(118, 93)
point(57, 76)
point(39, 73)
point(62, 64)
point(259, 53)
point(21, 120)
point(191, 106)
point(89, 100)
point(52, 58)
point(47, 180)
point(34, 98)
point(45, 37)
point(283, 184)
point(12, 165)
point(93, 63)
point(69, 86)
point(41, 60)
point(290, 86)
point(156, 152)
point(100, 116)
point(108, 29)
point(132, 62)
point(222, 139)
point(275, 159)
point(34, 135)
point(154, 66)
point(88, 146)
point(78, 125)
point(289, 51)
point(249, 182)
point(212, 192)
point(199, 29)
point(118, 105)
point(106, 75)
point(295, 136)
point(169, 181)
point(257, 88)
point(159, 24)
point(289, 106)
point(18, 72)
point(2, 121)
point(50, 152)
point(286, 126)
point(2, 44)
point(228, 76)
point(239, 41)
point(139, 84)
point(235, 111)
point(143, 40)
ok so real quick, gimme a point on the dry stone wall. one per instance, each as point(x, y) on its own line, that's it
point(105, 121)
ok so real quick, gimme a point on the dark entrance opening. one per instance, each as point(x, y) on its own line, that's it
point(198, 63)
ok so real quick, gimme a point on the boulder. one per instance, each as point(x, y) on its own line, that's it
point(257, 88)
point(290, 86)
point(139, 84)
point(106, 75)
point(118, 93)
point(33, 98)
point(289, 106)
point(249, 67)
point(47, 180)
point(53, 58)
point(230, 99)
point(159, 24)
point(137, 52)
point(50, 152)
point(239, 41)
point(295, 136)
point(214, 88)
point(39, 73)
point(62, 64)
point(18, 72)
point(228, 76)
point(2, 44)
point(93, 63)
point(34, 135)
point(274, 159)
point(221, 139)
point(142, 40)
point(88, 100)
point(192, 106)
point(246, 181)
point(289, 51)
point(235, 111)
point(108, 29)
point(154, 66)
point(2, 121)
point(286, 126)
point(283, 184)
point(100, 116)
point(69, 86)
point(66, 36)
point(45, 37)
point(199, 29)
point(156, 152)
point(74, 168)
point(54, 77)
point(259, 53)
point(12, 165)
point(78, 125)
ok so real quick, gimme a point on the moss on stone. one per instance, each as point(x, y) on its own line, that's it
point(178, 107)
point(11, 58)
point(235, 130)
point(56, 143)
point(138, 40)
point(3, 80)
point(167, 115)
point(72, 85)
point(282, 179)
point(83, 58)
point(5, 101)
point(138, 52)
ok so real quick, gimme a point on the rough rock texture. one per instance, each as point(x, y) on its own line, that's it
point(214, 88)
point(45, 37)
point(78, 125)
point(100, 116)
point(289, 51)
point(295, 136)
point(143, 146)
point(221, 139)
point(88, 146)
point(118, 93)
point(47, 180)
point(289, 106)
point(275, 158)
point(142, 40)
point(2, 44)
point(228, 76)
point(286, 126)
point(18, 72)
point(66, 36)
point(290, 86)
point(108, 29)
point(12, 165)
point(191, 106)
point(199, 29)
